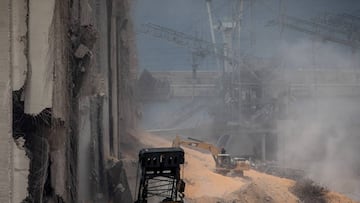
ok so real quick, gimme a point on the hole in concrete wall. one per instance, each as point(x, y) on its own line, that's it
point(30, 132)
point(24, 124)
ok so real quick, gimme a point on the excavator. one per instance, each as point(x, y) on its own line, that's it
point(224, 163)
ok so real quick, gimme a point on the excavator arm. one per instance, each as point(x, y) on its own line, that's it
point(215, 151)
point(224, 162)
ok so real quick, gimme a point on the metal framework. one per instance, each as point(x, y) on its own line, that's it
point(181, 39)
point(324, 28)
point(160, 174)
point(198, 46)
point(346, 23)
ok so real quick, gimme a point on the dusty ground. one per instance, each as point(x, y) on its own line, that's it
point(205, 186)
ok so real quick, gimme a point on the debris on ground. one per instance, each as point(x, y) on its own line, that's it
point(309, 192)
point(203, 185)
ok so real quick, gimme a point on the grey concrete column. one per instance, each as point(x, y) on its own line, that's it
point(20, 174)
point(39, 83)
point(19, 29)
point(263, 147)
point(84, 165)
point(6, 140)
point(114, 111)
point(19, 12)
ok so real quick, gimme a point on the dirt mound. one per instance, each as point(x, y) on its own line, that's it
point(250, 193)
point(203, 185)
point(267, 188)
point(203, 181)
point(333, 197)
point(254, 193)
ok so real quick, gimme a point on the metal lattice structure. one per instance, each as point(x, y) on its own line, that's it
point(160, 174)
point(198, 46)
point(348, 24)
point(323, 28)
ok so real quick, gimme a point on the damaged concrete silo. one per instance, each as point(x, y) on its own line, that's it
point(70, 66)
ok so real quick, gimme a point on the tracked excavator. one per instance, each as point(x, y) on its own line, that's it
point(159, 175)
point(224, 163)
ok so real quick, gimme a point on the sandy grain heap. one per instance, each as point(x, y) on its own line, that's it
point(203, 185)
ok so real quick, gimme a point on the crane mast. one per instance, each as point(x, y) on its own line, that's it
point(213, 39)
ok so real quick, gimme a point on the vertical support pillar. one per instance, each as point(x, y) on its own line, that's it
point(20, 174)
point(103, 67)
point(84, 164)
point(263, 147)
point(19, 12)
point(114, 84)
point(19, 45)
point(39, 83)
point(6, 140)
point(213, 39)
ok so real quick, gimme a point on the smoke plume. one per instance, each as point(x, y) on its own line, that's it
point(321, 131)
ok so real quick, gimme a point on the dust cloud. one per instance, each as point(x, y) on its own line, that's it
point(320, 133)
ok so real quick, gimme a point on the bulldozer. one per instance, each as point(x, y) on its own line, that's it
point(224, 163)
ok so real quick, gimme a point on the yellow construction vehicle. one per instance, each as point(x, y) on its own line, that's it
point(225, 164)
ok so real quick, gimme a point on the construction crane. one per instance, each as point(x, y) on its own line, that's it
point(347, 23)
point(198, 47)
point(322, 30)
point(213, 39)
point(231, 84)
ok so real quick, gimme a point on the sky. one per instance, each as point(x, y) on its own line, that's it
point(190, 17)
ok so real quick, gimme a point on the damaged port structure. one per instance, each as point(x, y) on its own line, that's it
point(288, 102)
point(66, 82)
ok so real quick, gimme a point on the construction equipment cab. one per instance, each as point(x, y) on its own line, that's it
point(159, 177)
point(224, 163)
